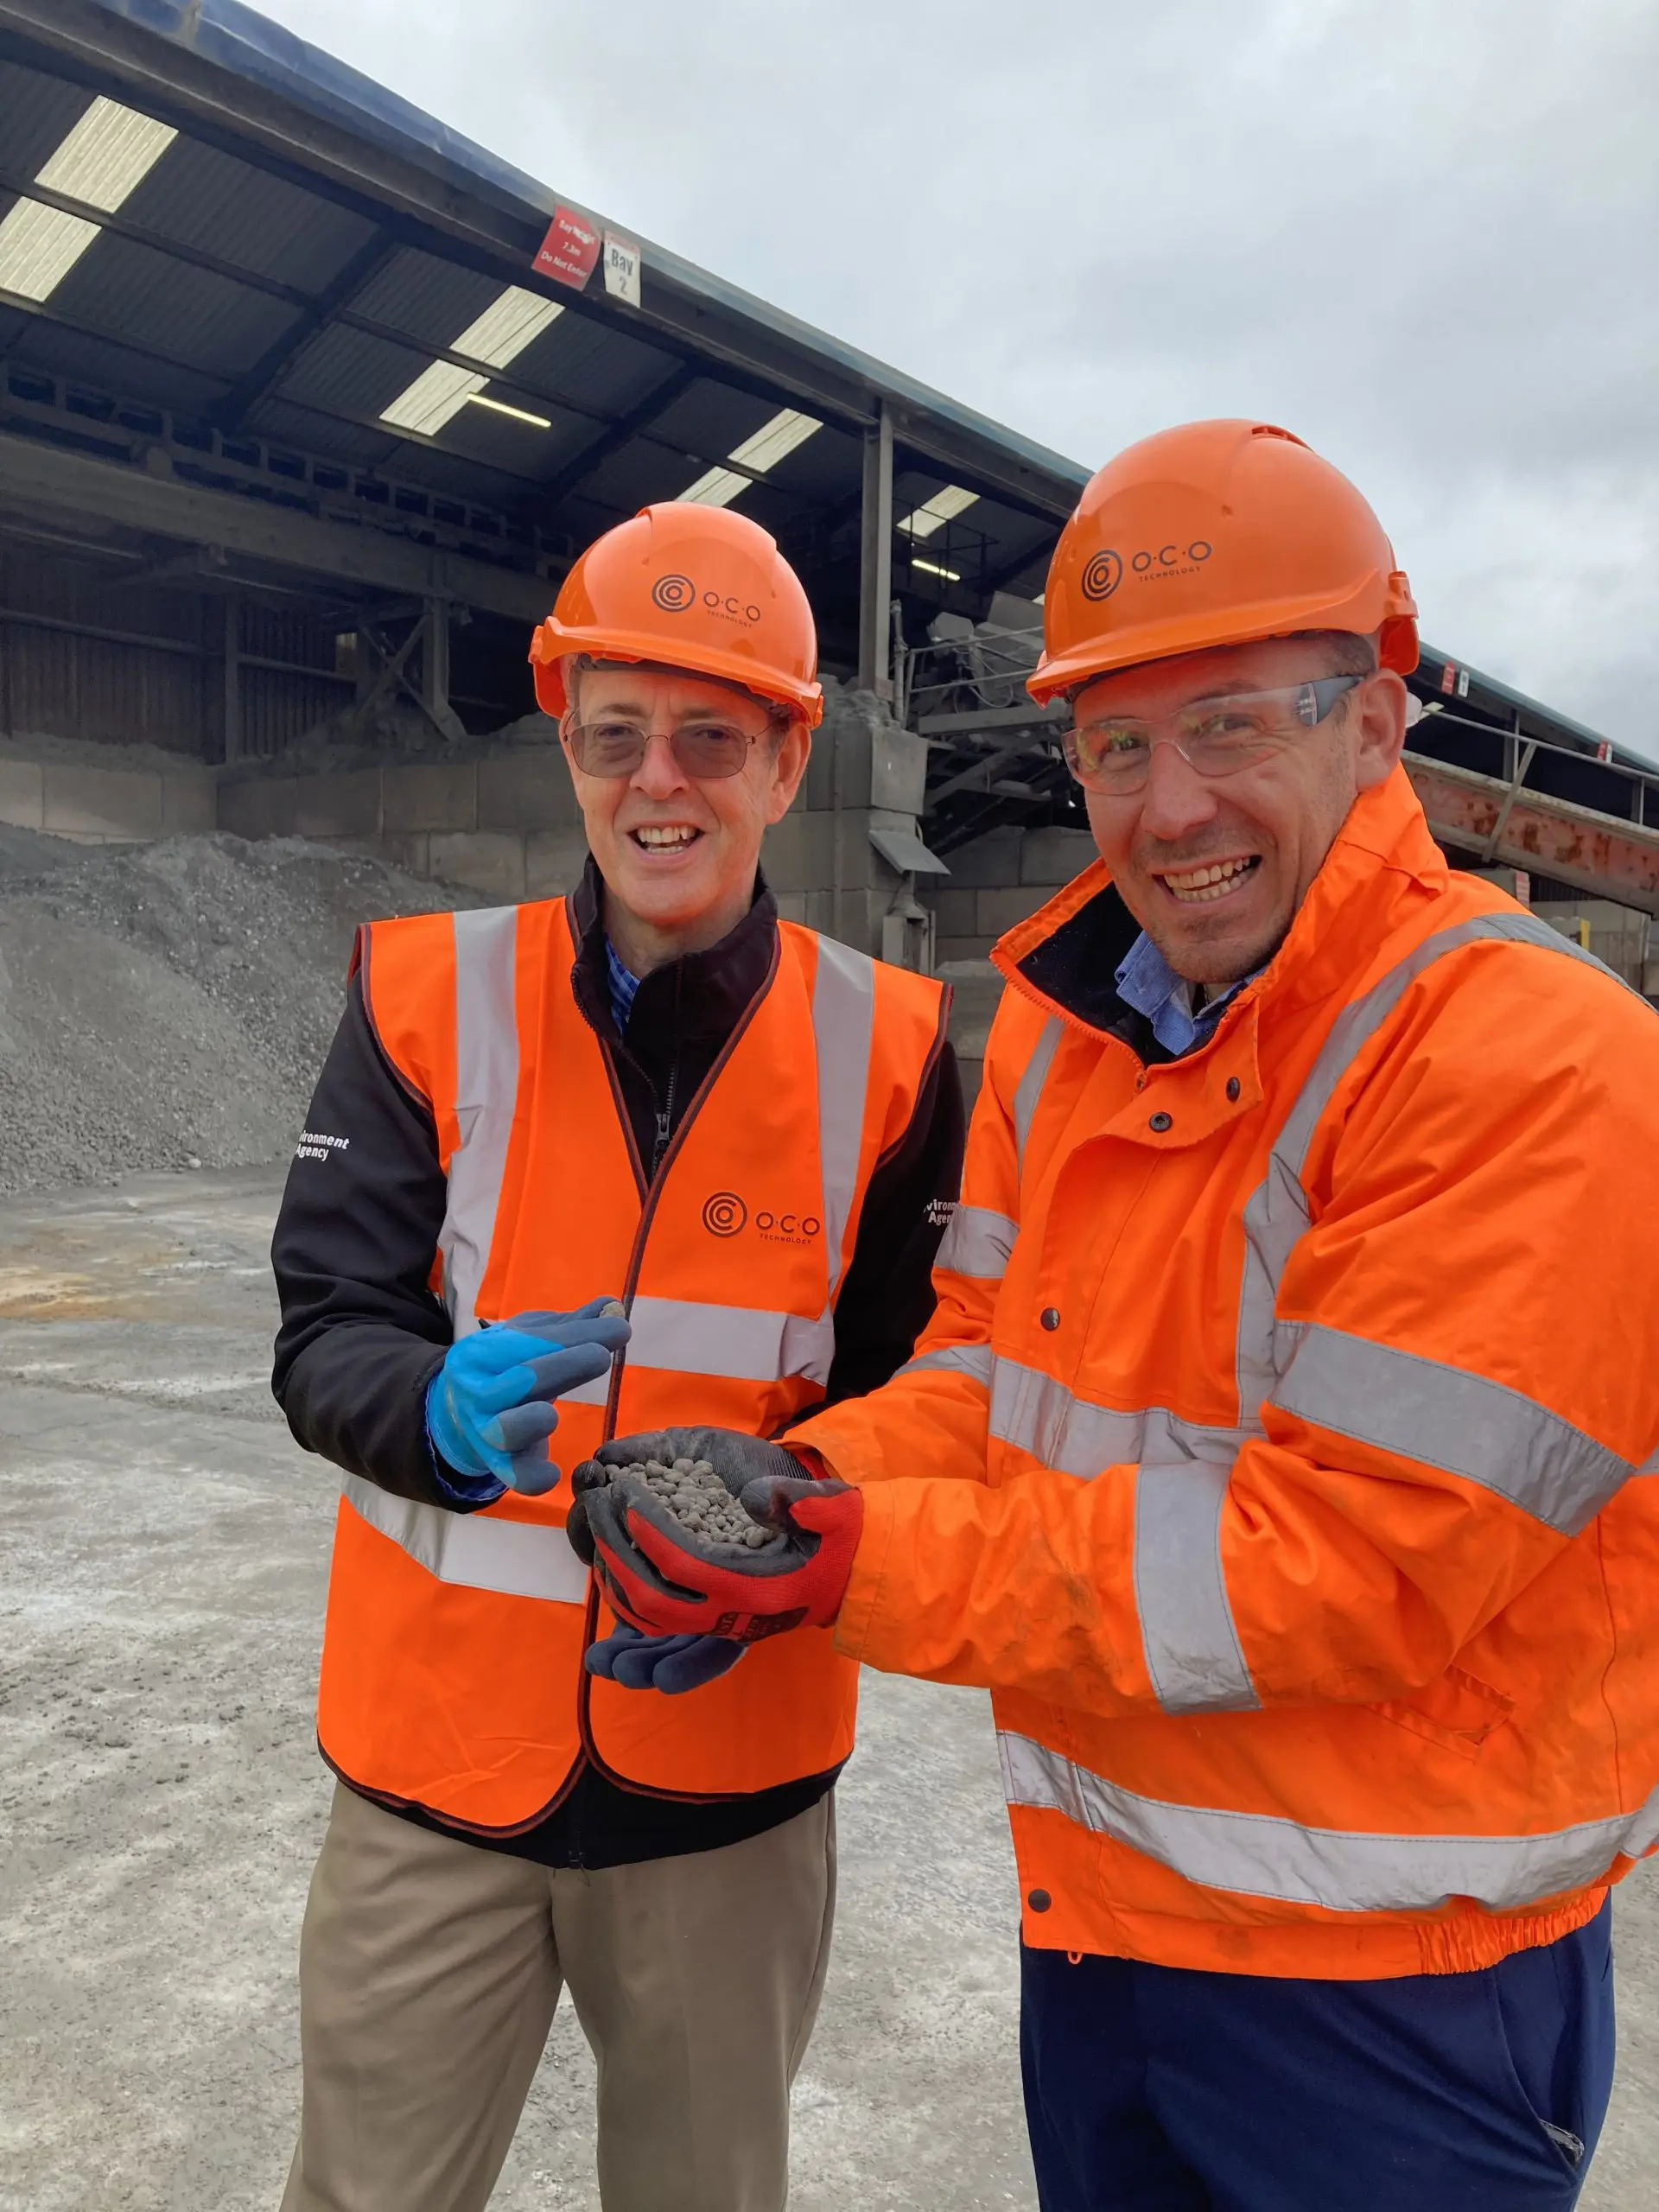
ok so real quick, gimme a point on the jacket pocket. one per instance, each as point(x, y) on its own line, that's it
point(1458, 1713)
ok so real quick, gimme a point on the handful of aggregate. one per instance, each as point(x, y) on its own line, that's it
point(700, 1502)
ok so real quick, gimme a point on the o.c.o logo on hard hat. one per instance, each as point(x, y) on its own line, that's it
point(1103, 575)
point(673, 593)
point(724, 1214)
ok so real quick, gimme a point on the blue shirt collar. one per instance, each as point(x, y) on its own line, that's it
point(623, 983)
point(1147, 982)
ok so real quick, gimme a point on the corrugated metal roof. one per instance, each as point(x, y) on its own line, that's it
point(315, 432)
point(432, 300)
point(144, 297)
point(37, 113)
point(348, 372)
point(109, 366)
point(595, 364)
point(209, 200)
point(260, 52)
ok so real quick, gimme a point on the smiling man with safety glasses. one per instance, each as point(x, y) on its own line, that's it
point(1284, 1453)
point(749, 1136)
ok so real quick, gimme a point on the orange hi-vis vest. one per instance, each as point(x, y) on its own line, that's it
point(1304, 1391)
point(452, 1674)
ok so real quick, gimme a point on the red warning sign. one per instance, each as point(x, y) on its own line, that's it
point(569, 252)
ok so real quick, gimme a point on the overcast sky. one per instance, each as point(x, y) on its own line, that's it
point(1424, 234)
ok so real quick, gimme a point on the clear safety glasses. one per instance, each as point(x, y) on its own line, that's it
point(1215, 737)
point(705, 751)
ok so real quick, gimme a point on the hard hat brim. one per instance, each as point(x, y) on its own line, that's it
point(1368, 609)
point(554, 641)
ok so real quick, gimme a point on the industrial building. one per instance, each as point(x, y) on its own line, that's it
point(305, 405)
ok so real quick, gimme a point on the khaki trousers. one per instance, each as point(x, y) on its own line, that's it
point(430, 1971)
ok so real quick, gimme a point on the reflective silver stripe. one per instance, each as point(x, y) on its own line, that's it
point(520, 1559)
point(1276, 1213)
point(1037, 1414)
point(1029, 1089)
point(972, 1360)
point(741, 1341)
point(1191, 1645)
point(977, 1243)
point(1187, 1635)
point(1650, 1466)
point(486, 1092)
point(1255, 1854)
point(843, 1023)
point(1446, 1417)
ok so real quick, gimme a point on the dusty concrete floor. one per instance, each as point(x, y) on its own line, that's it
point(165, 1556)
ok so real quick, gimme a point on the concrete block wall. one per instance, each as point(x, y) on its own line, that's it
point(996, 882)
point(877, 771)
point(94, 805)
point(504, 823)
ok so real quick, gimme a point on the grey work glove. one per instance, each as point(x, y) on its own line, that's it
point(670, 1664)
point(738, 1460)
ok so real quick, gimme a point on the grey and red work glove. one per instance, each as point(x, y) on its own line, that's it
point(665, 1579)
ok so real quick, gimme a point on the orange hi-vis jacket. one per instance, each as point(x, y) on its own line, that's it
point(452, 1674)
point(1283, 1451)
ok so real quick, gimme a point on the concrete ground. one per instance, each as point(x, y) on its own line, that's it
point(166, 1549)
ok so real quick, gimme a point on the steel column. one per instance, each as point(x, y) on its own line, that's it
point(232, 677)
point(875, 572)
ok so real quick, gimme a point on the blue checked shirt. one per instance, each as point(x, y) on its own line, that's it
point(624, 984)
point(1147, 982)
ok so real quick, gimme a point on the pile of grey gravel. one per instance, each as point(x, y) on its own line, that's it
point(699, 1501)
point(169, 1005)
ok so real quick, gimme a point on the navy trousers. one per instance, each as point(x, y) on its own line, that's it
point(1154, 2090)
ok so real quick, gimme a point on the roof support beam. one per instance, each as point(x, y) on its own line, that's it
point(34, 476)
point(274, 364)
point(594, 455)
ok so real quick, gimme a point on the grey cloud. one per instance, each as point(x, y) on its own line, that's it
point(1421, 235)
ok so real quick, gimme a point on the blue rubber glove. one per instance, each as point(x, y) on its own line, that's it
point(672, 1664)
point(489, 1408)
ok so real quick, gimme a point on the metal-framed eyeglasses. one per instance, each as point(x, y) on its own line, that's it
point(704, 750)
point(1215, 737)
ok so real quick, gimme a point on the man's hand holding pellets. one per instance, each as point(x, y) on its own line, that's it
point(670, 1575)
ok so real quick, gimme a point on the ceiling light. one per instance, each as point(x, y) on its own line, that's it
point(110, 151)
point(942, 508)
point(718, 487)
point(774, 441)
point(950, 576)
point(518, 414)
point(498, 336)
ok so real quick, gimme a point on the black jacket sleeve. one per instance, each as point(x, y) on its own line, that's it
point(362, 1333)
point(887, 1298)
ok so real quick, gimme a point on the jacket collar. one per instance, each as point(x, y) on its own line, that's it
point(1383, 864)
point(704, 993)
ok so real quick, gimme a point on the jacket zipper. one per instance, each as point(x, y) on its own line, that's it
point(651, 1188)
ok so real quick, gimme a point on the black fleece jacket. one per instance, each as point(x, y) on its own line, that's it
point(362, 1334)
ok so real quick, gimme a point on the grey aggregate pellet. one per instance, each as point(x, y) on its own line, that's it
point(699, 1501)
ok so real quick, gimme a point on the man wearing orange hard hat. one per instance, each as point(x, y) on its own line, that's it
point(652, 1153)
point(1282, 1454)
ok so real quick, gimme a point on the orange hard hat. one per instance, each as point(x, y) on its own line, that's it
point(1216, 534)
point(695, 588)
